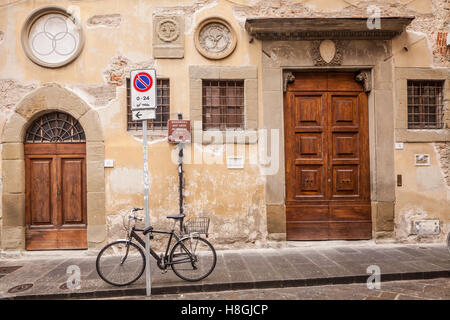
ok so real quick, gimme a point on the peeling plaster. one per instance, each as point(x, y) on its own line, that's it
point(106, 20)
point(98, 95)
point(120, 67)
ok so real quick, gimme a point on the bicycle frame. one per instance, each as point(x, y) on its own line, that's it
point(159, 259)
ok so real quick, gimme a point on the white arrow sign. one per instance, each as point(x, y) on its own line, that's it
point(143, 114)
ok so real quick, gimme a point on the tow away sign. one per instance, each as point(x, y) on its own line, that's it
point(143, 89)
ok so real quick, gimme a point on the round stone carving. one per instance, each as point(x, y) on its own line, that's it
point(168, 30)
point(215, 38)
point(51, 37)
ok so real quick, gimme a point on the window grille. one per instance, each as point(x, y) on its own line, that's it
point(223, 104)
point(55, 127)
point(162, 110)
point(425, 104)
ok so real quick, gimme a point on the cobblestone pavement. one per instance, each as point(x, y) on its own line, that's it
point(45, 275)
point(433, 289)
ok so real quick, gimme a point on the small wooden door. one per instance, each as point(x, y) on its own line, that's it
point(327, 158)
point(55, 174)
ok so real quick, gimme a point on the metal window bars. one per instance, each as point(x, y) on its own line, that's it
point(55, 127)
point(425, 104)
point(223, 104)
point(162, 110)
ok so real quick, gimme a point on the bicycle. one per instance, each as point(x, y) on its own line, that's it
point(192, 258)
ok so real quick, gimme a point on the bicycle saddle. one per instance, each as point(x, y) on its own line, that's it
point(178, 216)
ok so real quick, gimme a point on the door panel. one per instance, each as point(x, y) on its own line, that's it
point(41, 180)
point(327, 160)
point(72, 190)
point(55, 196)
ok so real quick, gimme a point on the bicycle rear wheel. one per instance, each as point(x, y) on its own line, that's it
point(193, 259)
point(120, 263)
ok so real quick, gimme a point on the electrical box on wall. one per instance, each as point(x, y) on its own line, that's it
point(422, 159)
point(426, 227)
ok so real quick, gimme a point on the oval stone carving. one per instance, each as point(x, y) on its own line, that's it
point(327, 50)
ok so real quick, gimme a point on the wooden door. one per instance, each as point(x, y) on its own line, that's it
point(327, 158)
point(55, 186)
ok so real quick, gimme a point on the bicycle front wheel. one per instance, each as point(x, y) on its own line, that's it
point(193, 259)
point(120, 263)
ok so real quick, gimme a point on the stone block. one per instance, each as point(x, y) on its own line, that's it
point(92, 126)
point(95, 176)
point(203, 72)
point(385, 216)
point(12, 151)
point(96, 208)
point(13, 175)
point(13, 238)
point(168, 36)
point(246, 72)
point(95, 151)
point(13, 207)
point(276, 218)
point(13, 130)
point(251, 89)
point(96, 236)
point(272, 79)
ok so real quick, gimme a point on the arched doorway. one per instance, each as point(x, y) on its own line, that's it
point(55, 183)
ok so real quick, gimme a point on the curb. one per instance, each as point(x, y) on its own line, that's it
point(209, 287)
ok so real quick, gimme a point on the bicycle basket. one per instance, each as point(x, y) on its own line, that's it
point(197, 224)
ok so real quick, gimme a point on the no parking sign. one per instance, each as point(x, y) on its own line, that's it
point(143, 93)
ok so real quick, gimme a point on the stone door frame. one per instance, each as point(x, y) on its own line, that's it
point(48, 98)
point(279, 57)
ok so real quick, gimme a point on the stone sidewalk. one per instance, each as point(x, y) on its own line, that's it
point(43, 275)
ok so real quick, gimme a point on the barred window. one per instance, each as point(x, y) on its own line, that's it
point(425, 103)
point(223, 104)
point(162, 110)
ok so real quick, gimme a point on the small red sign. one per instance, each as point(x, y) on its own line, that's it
point(179, 131)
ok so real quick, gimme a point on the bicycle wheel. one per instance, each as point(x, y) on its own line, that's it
point(120, 263)
point(193, 259)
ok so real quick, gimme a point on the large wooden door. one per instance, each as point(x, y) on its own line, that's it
point(327, 158)
point(55, 183)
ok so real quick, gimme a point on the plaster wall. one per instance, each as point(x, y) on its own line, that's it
point(244, 204)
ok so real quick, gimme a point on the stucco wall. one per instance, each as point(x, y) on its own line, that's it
point(119, 38)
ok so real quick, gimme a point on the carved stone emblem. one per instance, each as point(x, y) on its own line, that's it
point(168, 36)
point(168, 30)
point(327, 52)
point(215, 38)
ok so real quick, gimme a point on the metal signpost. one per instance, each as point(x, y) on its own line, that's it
point(143, 108)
